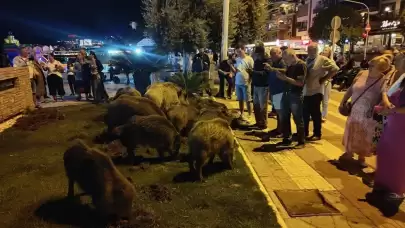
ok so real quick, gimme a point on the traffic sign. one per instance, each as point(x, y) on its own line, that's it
point(334, 36)
point(336, 22)
point(368, 28)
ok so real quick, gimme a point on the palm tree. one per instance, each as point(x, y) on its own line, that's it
point(190, 82)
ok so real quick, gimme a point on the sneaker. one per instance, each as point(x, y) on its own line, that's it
point(314, 138)
point(285, 142)
point(323, 120)
point(300, 145)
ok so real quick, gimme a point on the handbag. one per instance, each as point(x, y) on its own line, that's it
point(346, 109)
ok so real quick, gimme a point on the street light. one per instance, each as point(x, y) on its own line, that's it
point(367, 22)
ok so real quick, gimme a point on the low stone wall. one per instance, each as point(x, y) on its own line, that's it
point(15, 92)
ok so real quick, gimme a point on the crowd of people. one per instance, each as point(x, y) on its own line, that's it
point(83, 75)
point(294, 86)
point(374, 105)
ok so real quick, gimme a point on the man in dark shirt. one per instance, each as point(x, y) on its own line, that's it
point(276, 88)
point(201, 64)
point(260, 82)
point(292, 100)
point(225, 73)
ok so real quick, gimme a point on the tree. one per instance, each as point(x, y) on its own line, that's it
point(352, 24)
point(174, 24)
point(212, 12)
point(252, 18)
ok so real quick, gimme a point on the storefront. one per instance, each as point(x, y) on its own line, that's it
point(386, 34)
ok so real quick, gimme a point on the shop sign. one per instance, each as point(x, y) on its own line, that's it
point(388, 25)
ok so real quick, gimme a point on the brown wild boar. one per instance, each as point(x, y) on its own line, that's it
point(201, 103)
point(122, 109)
point(208, 139)
point(183, 117)
point(209, 114)
point(127, 91)
point(150, 131)
point(166, 95)
point(112, 194)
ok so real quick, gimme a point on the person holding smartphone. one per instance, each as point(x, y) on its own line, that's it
point(225, 73)
point(242, 70)
point(54, 79)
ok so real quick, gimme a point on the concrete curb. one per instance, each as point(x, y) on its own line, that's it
point(270, 202)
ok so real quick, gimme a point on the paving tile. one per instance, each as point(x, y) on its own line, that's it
point(308, 168)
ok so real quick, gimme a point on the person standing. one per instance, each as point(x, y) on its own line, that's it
point(276, 87)
point(242, 69)
point(71, 77)
point(81, 86)
point(23, 61)
point(260, 83)
point(389, 185)
point(326, 87)
point(366, 92)
point(201, 65)
point(225, 73)
point(292, 99)
point(215, 58)
point(54, 79)
point(320, 69)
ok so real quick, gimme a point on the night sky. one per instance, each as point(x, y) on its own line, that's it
point(45, 21)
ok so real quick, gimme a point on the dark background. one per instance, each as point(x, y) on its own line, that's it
point(45, 21)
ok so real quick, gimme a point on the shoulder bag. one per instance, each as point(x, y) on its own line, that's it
point(346, 109)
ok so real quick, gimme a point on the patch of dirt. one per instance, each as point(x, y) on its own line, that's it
point(144, 218)
point(158, 192)
point(99, 118)
point(32, 121)
point(141, 218)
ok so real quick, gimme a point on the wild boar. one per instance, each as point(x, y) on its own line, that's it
point(166, 95)
point(128, 91)
point(112, 194)
point(209, 114)
point(201, 103)
point(207, 139)
point(150, 131)
point(183, 117)
point(122, 109)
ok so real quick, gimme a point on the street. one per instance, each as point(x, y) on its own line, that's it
point(309, 168)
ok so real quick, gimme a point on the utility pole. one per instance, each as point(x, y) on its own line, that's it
point(225, 26)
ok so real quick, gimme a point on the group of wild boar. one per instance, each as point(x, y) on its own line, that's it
point(158, 120)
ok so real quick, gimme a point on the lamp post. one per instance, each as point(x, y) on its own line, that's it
point(367, 28)
point(225, 26)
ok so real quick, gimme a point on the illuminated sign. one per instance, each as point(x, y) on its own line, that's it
point(387, 25)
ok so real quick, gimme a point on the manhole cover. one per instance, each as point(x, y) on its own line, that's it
point(305, 203)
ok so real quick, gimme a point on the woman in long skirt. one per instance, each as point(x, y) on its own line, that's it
point(366, 92)
point(389, 182)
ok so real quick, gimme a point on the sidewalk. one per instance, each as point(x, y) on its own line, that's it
point(309, 168)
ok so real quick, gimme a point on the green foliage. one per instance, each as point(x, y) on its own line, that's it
point(174, 25)
point(212, 12)
point(351, 28)
point(178, 25)
point(190, 82)
point(252, 17)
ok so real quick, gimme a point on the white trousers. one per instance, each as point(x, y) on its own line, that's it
point(327, 88)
